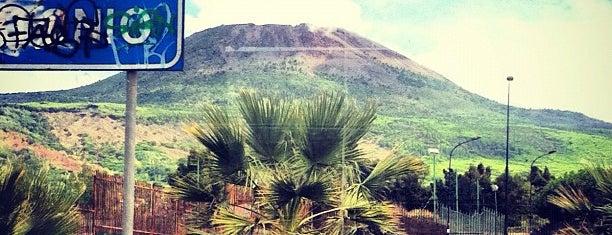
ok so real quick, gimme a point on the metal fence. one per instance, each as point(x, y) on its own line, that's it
point(155, 213)
point(486, 222)
point(158, 214)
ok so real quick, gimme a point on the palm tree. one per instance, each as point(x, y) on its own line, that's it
point(301, 162)
point(591, 217)
point(33, 203)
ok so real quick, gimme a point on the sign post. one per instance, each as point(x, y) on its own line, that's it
point(91, 35)
point(127, 218)
point(124, 35)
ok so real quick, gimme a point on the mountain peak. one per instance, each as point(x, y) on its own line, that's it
point(321, 47)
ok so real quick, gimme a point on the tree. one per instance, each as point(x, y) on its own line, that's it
point(408, 192)
point(539, 179)
point(31, 202)
point(193, 183)
point(517, 207)
point(474, 184)
point(593, 212)
point(301, 163)
point(556, 216)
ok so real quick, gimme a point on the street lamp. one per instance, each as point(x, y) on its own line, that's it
point(509, 79)
point(450, 158)
point(494, 188)
point(531, 183)
point(434, 152)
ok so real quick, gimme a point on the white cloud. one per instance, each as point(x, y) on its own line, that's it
point(324, 13)
point(26, 81)
point(558, 51)
point(559, 61)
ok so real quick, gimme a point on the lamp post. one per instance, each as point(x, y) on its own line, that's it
point(450, 158)
point(494, 188)
point(531, 183)
point(507, 180)
point(434, 152)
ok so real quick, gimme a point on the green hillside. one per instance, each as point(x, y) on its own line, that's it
point(418, 108)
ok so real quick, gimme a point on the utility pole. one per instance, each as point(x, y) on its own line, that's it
point(127, 215)
point(434, 152)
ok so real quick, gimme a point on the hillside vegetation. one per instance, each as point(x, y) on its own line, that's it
point(418, 108)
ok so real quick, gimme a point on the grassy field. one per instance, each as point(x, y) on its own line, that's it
point(410, 135)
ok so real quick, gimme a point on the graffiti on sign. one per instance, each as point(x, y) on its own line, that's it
point(90, 34)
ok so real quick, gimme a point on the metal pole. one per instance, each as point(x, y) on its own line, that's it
point(456, 198)
point(198, 170)
point(478, 203)
point(435, 195)
point(509, 79)
point(95, 203)
point(531, 183)
point(152, 228)
point(494, 188)
point(495, 218)
point(127, 218)
point(450, 158)
point(477, 196)
point(448, 230)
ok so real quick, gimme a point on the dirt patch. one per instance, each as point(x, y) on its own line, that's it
point(373, 150)
point(71, 128)
point(60, 159)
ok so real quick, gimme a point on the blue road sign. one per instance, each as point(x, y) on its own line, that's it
point(91, 34)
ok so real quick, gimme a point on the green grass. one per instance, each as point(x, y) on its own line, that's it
point(526, 143)
point(413, 135)
point(144, 113)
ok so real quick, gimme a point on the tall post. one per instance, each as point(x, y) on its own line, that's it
point(435, 195)
point(198, 170)
point(456, 197)
point(478, 202)
point(495, 218)
point(531, 184)
point(127, 219)
point(434, 152)
point(95, 203)
point(494, 188)
point(507, 181)
point(477, 196)
point(450, 158)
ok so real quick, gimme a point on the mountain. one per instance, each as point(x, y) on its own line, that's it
point(419, 108)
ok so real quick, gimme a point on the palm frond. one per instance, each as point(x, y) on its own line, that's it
point(605, 222)
point(357, 122)
point(268, 121)
point(322, 134)
point(603, 178)
point(189, 188)
point(53, 203)
point(570, 199)
point(387, 169)
point(222, 136)
point(38, 204)
point(14, 208)
point(332, 127)
point(290, 195)
point(287, 186)
point(231, 223)
point(375, 219)
point(357, 215)
point(570, 230)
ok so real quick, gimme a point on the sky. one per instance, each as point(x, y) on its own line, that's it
point(558, 51)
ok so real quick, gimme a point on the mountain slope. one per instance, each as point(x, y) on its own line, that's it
point(286, 56)
point(418, 107)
